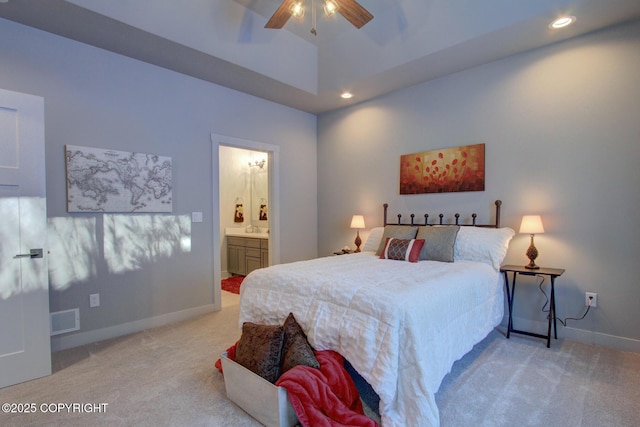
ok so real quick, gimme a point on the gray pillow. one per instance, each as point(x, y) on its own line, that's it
point(439, 242)
point(403, 232)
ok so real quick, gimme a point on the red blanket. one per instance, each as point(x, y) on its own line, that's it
point(325, 396)
point(322, 397)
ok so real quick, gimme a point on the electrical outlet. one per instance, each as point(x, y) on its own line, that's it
point(94, 300)
point(594, 299)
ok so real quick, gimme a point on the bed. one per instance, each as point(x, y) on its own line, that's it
point(400, 324)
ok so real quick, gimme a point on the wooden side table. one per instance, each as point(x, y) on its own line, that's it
point(552, 273)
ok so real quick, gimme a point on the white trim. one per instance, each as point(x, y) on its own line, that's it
point(606, 340)
point(75, 340)
point(274, 202)
point(575, 334)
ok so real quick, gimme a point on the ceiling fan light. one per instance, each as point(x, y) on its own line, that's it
point(330, 8)
point(297, 9)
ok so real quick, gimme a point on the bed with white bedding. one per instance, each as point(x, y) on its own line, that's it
point(401, 325)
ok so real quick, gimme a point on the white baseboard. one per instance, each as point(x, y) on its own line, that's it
point(74, 340)
point(598, 338)
point(579, 335)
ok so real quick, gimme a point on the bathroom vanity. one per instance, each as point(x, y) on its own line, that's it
point(246, 251)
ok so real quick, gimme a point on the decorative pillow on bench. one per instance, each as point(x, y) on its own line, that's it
point(271, 350)
point(296, 349)
point(260, 349)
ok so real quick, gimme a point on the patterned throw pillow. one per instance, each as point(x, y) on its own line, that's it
point(397, 232)
point(296, 349)
point(402, 249)
point(260, 348)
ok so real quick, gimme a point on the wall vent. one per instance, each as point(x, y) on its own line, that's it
point(65, 321)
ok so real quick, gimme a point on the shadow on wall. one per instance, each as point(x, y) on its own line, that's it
point(128, 242)
point(21, 223)
point(76, 244)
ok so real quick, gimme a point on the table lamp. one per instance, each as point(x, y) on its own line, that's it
point(357, 222)
point(532, 224)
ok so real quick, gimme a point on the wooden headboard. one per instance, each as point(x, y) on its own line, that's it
point(498, 204)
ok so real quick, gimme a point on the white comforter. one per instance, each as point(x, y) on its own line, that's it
point(401, 325)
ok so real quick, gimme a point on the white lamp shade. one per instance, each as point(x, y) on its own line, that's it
point(357, 221)
point(531, 224)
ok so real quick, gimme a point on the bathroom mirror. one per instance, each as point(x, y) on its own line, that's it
point(260, 193)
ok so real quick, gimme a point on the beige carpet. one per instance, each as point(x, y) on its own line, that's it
point(160, 377)
point(520, 382)
point(166, 377)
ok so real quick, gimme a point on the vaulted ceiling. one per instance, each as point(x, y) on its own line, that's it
point(407, 42)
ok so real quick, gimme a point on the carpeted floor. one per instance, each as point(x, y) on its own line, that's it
point(521, 382)
point(166, 377)
point(232, 284)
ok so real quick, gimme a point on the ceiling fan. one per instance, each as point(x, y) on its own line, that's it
point(351, 10)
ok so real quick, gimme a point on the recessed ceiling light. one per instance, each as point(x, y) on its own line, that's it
point(562, 22)
point(346, 95)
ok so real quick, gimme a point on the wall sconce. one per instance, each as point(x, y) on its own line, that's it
point(532, 224)
point(357, 222)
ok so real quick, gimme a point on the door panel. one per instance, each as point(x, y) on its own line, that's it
point(11, 307)
point(25, 350)
point(8, 145)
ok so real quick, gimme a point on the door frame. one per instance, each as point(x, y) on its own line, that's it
point(273, 152)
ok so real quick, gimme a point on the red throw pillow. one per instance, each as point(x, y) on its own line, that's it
point(402, 249)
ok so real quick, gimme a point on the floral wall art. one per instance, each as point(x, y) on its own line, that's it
point(443, 171)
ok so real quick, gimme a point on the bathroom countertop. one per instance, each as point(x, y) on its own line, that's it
point(241, 232)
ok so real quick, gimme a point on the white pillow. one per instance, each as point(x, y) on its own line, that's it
point(373, 241)
point(488, 245)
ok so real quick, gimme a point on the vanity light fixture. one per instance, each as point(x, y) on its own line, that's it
point(562, 22)
point(258, 163)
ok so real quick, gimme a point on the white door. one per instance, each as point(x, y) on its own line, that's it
point(25, 346)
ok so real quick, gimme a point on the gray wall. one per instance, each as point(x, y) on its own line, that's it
point(562, 132)
point(99, 99)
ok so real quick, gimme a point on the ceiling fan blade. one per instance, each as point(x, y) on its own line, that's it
point(281, 15)
point(354, 12)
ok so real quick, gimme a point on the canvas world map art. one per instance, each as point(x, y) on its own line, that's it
point(101, 180)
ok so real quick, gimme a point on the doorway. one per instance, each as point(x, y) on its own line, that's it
point(224, 207)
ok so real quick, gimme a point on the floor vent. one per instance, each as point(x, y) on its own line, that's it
point(65, 321)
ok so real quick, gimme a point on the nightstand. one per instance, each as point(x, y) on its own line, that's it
point(343, 252)
point(516, 270)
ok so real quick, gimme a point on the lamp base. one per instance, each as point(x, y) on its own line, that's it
point(532, 254)
point(358, 241)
